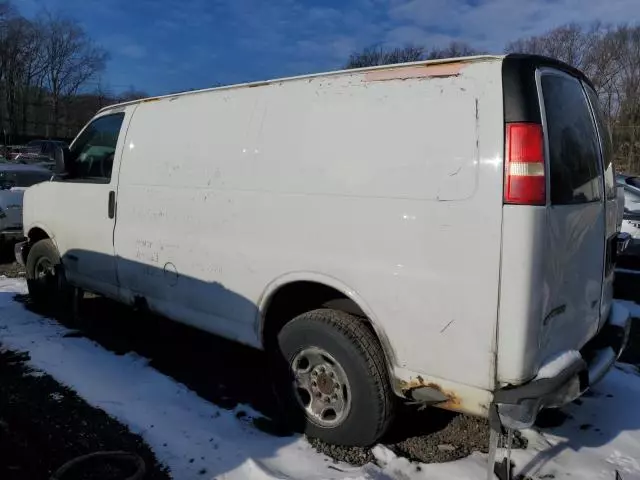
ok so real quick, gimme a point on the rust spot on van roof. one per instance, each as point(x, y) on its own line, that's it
point(415, 71)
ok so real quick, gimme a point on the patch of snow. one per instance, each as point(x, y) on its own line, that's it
point(198, 440)
point(560, 363)
point(56, 396)
point(620, 313)
point(633, 307)
point(35, 373)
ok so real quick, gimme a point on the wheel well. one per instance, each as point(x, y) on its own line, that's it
point(36, 234)
point(296, 298)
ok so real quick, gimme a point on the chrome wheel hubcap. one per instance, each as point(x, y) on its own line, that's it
point(321, 387)
point(45, 272)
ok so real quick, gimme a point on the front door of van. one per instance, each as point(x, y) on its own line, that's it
point(85, 204)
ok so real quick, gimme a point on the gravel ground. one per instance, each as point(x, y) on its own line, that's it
point(430, 435)
point(43, 425)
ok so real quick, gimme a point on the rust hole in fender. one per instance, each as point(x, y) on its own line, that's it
point(453, 401)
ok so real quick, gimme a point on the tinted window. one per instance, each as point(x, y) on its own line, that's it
point(573, 146)
point(91, 155)
point(607, 146)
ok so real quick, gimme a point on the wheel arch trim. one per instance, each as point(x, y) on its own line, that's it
point(328, 281)
point(44, 228)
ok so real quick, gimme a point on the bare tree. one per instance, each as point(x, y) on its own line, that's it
point(131, 94)
point(372, 56)
point(71, 59)
point(590, 49)
point(7, 15)
point(453, 50)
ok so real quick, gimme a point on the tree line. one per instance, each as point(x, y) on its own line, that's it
point(608, 54)
point(47, 65)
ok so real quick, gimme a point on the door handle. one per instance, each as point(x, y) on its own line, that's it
point(112, 204)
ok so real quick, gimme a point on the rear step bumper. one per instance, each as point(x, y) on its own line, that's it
point(566, 377)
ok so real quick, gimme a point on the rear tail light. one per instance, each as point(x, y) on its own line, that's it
point(524, 181)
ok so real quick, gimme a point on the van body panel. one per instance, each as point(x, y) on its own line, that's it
point(572, 286)
point(345, 177)
point(522, 297)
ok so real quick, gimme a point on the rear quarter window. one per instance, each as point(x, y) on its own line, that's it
point(573, 142)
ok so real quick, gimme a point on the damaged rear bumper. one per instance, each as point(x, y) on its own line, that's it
point(565, 378)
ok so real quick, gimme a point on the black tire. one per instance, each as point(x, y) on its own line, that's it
point(357, 351)
point(49, 291)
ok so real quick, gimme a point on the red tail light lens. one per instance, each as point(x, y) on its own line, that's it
point(524, 165)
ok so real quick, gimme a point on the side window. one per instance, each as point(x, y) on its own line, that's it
point(607, 145)
point(573, 143)
point(91, 155)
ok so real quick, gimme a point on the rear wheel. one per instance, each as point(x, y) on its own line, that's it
point(333, 383)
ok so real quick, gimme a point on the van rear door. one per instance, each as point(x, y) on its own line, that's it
point(577, 269)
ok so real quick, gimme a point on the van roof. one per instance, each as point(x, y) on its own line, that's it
point(471, 59)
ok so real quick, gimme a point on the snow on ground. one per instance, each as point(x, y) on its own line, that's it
point(634, 308)
point(199, 440)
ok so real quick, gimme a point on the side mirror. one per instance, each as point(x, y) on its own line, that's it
point(61, 156)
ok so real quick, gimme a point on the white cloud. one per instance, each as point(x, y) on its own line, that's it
point(328, 35)
point(490, 24)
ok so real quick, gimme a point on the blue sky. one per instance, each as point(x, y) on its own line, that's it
point(160, 46)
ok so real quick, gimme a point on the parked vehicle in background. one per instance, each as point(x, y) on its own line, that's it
point(631, 221)
point(46, 147)
point(444, 231)
point(13, 151)
point(14, 179)
point(40, 152)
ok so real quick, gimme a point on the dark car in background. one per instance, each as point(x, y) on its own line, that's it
point(40, 152)
point(45, 147)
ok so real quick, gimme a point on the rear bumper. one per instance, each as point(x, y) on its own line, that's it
point(566, 377)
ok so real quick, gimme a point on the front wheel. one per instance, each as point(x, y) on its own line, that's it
point(45, 278)
point(333, 383)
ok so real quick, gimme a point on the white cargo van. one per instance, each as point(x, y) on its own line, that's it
point(444, 232)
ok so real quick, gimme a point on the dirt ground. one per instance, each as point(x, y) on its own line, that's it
point(430, 435)
point(43, 425)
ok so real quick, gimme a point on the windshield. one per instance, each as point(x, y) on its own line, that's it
point(22, 179)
